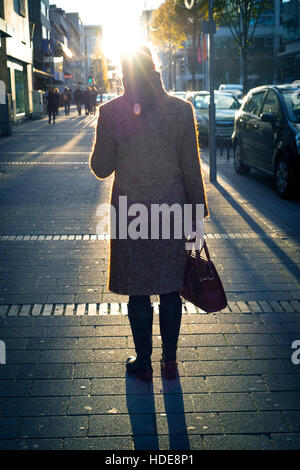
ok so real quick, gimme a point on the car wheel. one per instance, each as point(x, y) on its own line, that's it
point(283, 177)
point(239, 166)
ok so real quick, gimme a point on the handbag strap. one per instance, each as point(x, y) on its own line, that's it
point(206, 250)
point(198, 252)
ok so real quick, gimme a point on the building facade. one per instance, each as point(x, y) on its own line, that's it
point(93, 53)
point(66, 49)
point(60, 55)
point(5, 32)
point(19, 58)
point(41, 46)
point(273, 53)
point(76, 44)
point(40, 29)
point(263, 50)
point(5, 106)
point(289, 54)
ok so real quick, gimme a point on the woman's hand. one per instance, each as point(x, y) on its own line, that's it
point(195, 240)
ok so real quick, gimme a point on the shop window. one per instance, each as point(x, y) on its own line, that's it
point(17, 6)
point(20, 7)
point(1, 9)
point(43, 8)
point(20, 96)
point(44, 33)
point(23, 8)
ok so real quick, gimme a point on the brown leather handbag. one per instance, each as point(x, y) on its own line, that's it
point(202, 284)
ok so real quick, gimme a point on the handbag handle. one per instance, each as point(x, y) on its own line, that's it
point(198, 252)
point(206, 250)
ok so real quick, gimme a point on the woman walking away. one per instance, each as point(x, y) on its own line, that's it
point(94, 94)
point(57, 101)
point(87, 100)
point(148, 139)
point(78, 99)
point(66, 101)
point(51, 98)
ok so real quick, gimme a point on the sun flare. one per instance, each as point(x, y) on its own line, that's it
point(121, 34)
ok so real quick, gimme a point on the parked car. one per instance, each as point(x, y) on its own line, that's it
point(236, 90)
point(226, 107)
point(179, 94)
point(267, 135)
point(105, 97)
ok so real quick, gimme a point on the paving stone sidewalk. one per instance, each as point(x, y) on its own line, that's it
point(67, 338)
point(64, 385)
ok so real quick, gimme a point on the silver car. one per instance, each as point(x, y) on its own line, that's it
point(226, 106)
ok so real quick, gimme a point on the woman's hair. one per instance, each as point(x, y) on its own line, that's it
point(138, 70)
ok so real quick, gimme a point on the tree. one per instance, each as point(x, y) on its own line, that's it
point(241, 16)
point(167, 30)
point(174, 23)
point(177, 21)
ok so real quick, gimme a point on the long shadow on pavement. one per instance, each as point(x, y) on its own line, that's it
point(174, 407)
point(285, 259)
point(141, 408)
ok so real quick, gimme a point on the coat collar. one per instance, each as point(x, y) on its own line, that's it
point(157, 83)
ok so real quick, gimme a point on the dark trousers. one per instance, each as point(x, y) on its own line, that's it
point(67, 109)
point(51, 113)
point(140, 314)
point(79, 108)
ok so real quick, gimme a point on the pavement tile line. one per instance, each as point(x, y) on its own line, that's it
point(46, 153)
point(44, 163)
point(105, 236)
point(116, 308)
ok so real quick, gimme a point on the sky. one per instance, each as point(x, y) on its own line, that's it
point(119, 19)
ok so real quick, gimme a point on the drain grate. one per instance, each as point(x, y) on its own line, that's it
point(114, 308)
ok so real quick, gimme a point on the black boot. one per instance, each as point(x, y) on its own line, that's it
point(170, 313)
point(140, 315)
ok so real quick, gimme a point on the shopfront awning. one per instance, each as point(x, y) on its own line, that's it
point(42, 73)
point(5, 29)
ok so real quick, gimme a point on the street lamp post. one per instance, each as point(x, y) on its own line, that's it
point(212, 109)
point(210, 28)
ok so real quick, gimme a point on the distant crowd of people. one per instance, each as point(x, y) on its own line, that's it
point(86, 98)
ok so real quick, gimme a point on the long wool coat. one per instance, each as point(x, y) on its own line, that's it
point(155, 160)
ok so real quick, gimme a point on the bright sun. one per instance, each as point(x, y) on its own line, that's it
point(122, 33)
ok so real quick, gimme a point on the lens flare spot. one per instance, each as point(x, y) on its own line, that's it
point(137, 109)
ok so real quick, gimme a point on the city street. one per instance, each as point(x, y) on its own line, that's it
point(67, 337)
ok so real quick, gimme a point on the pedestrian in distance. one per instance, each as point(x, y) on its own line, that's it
point(94, 94)
point(78, 99)
point(155, 159)
point(57, 100)
point(66, 100)
point(87, 100)
point(51, 98)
